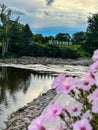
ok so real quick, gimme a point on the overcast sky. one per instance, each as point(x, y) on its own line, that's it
point(50, 17)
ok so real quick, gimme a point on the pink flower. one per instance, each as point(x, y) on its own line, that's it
point(90, 75)
point(74, 108)
point(86, 81)
point(37, 124)
point(53, 111)
point(76, 82)
point(94, 66)
point(82, 125)
point(66, 86)
point(87, 115)
point(58, 80)
point(93, 96)
point(95, 106)
point(96, 78)
point(95, 55)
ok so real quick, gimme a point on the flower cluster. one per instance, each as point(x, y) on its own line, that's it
point(79, 113)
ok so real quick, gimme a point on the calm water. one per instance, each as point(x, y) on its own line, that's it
point(18, 87)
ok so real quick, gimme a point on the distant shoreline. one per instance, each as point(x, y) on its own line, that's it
point(51, 66)
point(44, 61)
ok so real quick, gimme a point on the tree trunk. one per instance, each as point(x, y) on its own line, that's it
point(5, 47)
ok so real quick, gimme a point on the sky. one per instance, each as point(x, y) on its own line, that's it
point(49, 17)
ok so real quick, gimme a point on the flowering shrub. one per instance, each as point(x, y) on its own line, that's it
point(80, 113)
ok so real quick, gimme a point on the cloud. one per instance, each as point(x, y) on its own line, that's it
point(20, 11)
point(49, 2)
point(58, 15)
point(40, 14)
point(46, 13)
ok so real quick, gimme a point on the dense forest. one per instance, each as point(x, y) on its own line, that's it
point(18, 40)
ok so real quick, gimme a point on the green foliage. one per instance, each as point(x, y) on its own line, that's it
point(52, 51)
point(12, 32)
point(20, 35)
point(11, 55)
point(5, 27)
point(69, 52)
point(78, 37)
point(38, 38)
point(44, 50)
point(63, 37)
point(81, 51)
point(19, 40)
point(16, 33)
point(92, 34)
point(78, 49)
point(27, 34)
point(47, 38)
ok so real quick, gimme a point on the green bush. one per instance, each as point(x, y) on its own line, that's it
point(46, 50)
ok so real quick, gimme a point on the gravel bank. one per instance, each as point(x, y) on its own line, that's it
point(20, 119)
point(44, 60)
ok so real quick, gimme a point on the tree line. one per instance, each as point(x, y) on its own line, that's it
point(18, 39)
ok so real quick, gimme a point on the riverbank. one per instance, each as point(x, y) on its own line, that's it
point(44, 60)
point(20, 119)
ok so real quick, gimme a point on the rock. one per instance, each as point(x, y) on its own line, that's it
point(20, 119)
point(44, 60)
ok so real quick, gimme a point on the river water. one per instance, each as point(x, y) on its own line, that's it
point(18, 87)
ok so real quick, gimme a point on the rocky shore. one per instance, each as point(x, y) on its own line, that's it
point(20, 119)
point(44, 60)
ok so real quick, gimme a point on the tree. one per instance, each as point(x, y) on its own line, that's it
point(92, 34)
point(16, 32)
point(6, 23)
point(27, 34)
point(78, 37)
point(38, 38)
point(63, 37)
point(47, 38)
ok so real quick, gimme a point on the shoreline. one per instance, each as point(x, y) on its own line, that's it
point(20, 119)
point(44, 61)
point(51, 69)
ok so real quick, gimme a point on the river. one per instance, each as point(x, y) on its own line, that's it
point(18, 87)
point(20, 84)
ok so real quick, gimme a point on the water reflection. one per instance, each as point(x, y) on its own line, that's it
point(18, 87)
point(13, 81)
